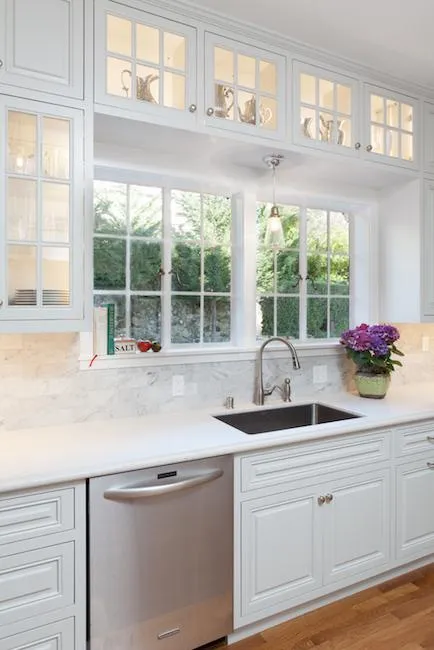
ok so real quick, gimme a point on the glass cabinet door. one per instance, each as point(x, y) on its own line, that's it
point(325, 109)
point(143, 61)
point(244, 87)
point(390, 126)
point(42, 190)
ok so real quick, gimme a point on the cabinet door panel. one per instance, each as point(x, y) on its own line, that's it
point(281, 551)
point(415, 514)
point(56, 636)
point(427, 251)
point(357, 526)
point(44, 45)
point(428, 138)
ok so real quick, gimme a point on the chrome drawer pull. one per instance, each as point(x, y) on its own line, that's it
point(430, 465)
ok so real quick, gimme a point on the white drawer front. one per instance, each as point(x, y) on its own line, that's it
point(312, 459)
point(56, 636)
point(34, 515)
point(412, 438)
point(36, 582)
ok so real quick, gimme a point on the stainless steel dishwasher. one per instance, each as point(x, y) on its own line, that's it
point(160, 556)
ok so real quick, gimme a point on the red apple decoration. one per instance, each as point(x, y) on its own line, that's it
point(144, 346)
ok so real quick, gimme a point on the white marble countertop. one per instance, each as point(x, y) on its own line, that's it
point(56, 454)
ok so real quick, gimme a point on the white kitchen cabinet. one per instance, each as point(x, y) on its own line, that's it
point(281, 549)
point(326, 110)
point(41, 236)
point(357, 526)
point(415, 514)
point(428, 138)
point(41, 46)
point(145, 64)
point(391, 127)
point(427, 250)
point(244, 88)
point(55, 636)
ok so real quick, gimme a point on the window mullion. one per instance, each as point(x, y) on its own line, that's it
point(303, 274)
point(128, 267)
point(166, 284)
point(328, 272)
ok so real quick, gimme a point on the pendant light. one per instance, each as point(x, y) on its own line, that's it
point(274, 237)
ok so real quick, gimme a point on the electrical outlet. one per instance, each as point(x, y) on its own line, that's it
point(178, 385)
point(425, 343)
point(319, 374)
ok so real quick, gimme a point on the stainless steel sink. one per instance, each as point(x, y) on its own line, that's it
point(286, 417)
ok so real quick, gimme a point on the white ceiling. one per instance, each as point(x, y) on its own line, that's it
point(392, 36)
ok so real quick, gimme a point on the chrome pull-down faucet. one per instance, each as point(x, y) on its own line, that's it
point(260, 392)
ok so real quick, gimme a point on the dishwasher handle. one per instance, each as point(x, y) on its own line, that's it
point(152, 489)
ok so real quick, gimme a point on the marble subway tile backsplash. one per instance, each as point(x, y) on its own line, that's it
point(42, 385)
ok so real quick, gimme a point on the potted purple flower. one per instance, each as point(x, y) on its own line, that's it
point(371, 348)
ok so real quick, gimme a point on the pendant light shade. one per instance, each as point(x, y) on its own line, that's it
point(274, 237)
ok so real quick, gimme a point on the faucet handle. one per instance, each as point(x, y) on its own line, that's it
point(286, 390)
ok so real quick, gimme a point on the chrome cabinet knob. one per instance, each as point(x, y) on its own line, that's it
point(192, 108)
point(369, 148)
point(1, 63)
point(210, 111)
point(329, 498)
point(357, 146)
point(321, 500)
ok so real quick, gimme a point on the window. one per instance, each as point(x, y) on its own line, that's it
point(163, 257)
point(303, 289)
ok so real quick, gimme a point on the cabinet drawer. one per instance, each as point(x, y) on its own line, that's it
point(412, 438)
point(37, 514)
point(36, 582)
point(57, 636)
point(310, 460)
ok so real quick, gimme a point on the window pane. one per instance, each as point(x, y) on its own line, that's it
point(223, 65)
point(377, 109)
point(145, 266)
point(246, 71)
point(308, 123)
point(340, 275)
point(55, 147)
point(21, 209)
point(308, 89)
point(174, 51)
point(21, 143)
point(110, 207)
point(186, 215)
point(267, 77)
point(339, 233)
point(317, 318)
point(288, 317)
point(146, 317)
point(268, 113)
point(339, 316)
point(119, 77)
point(326, 99)
point(22, 283)
point(287, 268)
point(55, 212)
point(290, 216)
point(265, 271)
point(147, 43)
point(185, 319)
point(186, 268)
point(55, 276)
point(174, 90)
point(407, 117)
point(265, 316)
point(216, 320)
point(317, 274)
point(406, 146)
point(119, 303)
point(217, 269)
point(146, 211)
point(344, 99)
point(217, 219)
point(316, 230)
point(109, 260)
point(147, 84)
point(118, 35)
point(392, 113)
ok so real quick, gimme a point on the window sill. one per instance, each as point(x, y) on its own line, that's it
point(176, 357)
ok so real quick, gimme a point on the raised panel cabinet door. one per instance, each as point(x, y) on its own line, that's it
point(414, 509)
point(428, 138)
point(55, 636)
point(280, 552)
point(42, 193)
point(43, 45)
point(391, 126)
point(145, 64)
point(428, 251)
point(357, 519)
point(244, 88)
point(325, 110)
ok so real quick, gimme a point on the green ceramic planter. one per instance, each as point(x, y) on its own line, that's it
point(372, 385)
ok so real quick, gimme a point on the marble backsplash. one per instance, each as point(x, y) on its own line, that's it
point(42, 385)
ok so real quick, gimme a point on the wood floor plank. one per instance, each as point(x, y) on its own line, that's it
point(397, 615)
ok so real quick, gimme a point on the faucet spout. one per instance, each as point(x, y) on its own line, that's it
point(260, 392)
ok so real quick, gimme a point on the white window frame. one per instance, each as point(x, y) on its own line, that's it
point(244, 344)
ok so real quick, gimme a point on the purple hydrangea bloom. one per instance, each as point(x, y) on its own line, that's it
point(379, 346)
point(388, 333)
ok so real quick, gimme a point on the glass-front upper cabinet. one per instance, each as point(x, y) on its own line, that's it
point(144, 63)
point(391, 126)
point(244, 88)
point(325, 109)
point(41, 236)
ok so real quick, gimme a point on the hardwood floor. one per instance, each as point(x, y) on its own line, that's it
point(396, 615)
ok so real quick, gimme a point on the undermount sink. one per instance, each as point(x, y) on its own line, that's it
point(285, 417)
